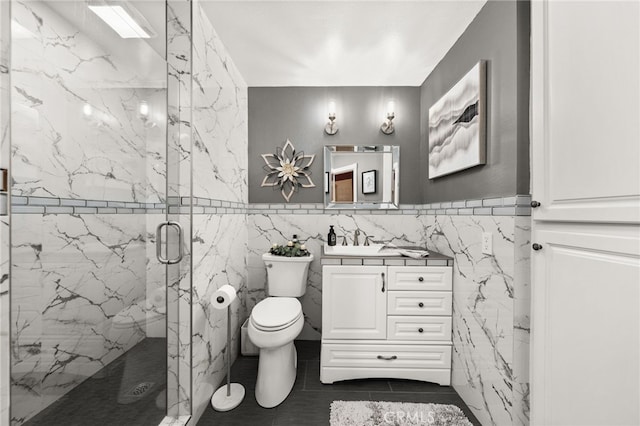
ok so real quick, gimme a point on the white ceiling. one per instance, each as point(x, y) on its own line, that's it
point(339, 43)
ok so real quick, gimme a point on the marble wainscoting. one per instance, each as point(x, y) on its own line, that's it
point(521, 320)
point(312, 229)
point(219, 249)
point(71, 275)
point(490, 312)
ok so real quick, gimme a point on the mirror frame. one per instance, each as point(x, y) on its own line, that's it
point(329, 150)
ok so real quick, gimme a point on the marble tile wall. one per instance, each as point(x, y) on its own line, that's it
point(490, 325)
point(219, 240)
point(58, 65)
point(490, 312)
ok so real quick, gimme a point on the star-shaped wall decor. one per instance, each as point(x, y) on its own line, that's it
point(288, 170)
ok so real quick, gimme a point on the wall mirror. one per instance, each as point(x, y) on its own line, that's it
point(361, 176)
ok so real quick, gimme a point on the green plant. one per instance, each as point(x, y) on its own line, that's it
point(291, 249)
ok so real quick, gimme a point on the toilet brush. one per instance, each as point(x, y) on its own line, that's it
point(230, 396)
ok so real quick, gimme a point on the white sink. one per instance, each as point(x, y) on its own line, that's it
point(359, 251)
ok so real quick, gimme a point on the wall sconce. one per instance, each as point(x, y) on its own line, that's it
point(387, 127)
point(331, 128)
point(143, 114)
point(143, 110)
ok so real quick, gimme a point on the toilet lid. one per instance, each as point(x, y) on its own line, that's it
point(276, 312)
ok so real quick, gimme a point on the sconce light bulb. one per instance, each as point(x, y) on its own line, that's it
point(391, 108)
point(332, 108)
point(143, 108)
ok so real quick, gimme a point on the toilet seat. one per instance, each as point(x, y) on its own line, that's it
point(276, 313)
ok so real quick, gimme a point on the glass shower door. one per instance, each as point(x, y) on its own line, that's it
point(92, 322)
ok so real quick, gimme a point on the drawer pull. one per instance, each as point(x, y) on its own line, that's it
point(421, 305)
point(420, 279)
point(382, 281)
point(388, 358)
point(420, 330)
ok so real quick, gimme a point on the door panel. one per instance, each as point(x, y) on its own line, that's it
point(586, 326)
point(586, 103)
point(354, 305)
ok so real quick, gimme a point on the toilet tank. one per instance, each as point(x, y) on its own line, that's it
point(286, 276)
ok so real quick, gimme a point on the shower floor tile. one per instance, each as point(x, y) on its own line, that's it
point(309, 401)
point(95, 401)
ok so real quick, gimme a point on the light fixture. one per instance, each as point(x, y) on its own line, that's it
point(87, 110)
point(387, 127)
point(331, 128)
point(143, 109)
point(123, 18)
point(143, 114)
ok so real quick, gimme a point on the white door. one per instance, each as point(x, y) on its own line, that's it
point(585, 357)
point(585, 122)
point(354, 302)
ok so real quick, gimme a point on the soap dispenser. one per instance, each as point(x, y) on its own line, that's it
point(331, 238)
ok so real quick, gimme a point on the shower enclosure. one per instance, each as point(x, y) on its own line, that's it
point(97, 137)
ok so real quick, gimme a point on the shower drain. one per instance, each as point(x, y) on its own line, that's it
point(140, 389)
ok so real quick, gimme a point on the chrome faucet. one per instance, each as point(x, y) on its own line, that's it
point(355, 237)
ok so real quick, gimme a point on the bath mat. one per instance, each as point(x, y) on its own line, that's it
point(383, 413)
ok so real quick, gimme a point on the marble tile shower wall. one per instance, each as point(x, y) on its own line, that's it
point(490, 327)
point(76, 136)
point(71, 275)
point(220, 138)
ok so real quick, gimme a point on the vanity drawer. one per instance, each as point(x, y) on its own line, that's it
point(419, 303)
point(386, 356)
point(424, 328)
point(420, 278)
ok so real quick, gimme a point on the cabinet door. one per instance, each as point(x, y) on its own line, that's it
point(585, 115)
point(354, 305)
point(585, 325)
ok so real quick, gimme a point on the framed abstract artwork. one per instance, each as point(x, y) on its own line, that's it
point(457, 125)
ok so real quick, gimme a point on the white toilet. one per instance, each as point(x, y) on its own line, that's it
point(274, 323)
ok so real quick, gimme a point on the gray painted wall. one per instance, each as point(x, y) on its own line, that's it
point(500, 35)
point(300, 113)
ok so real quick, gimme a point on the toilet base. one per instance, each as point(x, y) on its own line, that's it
point(276, 374)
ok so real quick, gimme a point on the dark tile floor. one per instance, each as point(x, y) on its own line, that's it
point(309, 401)
point(99, 399)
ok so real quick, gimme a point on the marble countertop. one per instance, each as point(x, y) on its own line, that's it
point(434, 259)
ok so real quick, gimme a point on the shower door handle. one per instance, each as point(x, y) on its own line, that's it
point(159, 243)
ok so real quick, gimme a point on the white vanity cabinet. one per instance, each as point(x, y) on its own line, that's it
point(386, 322)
